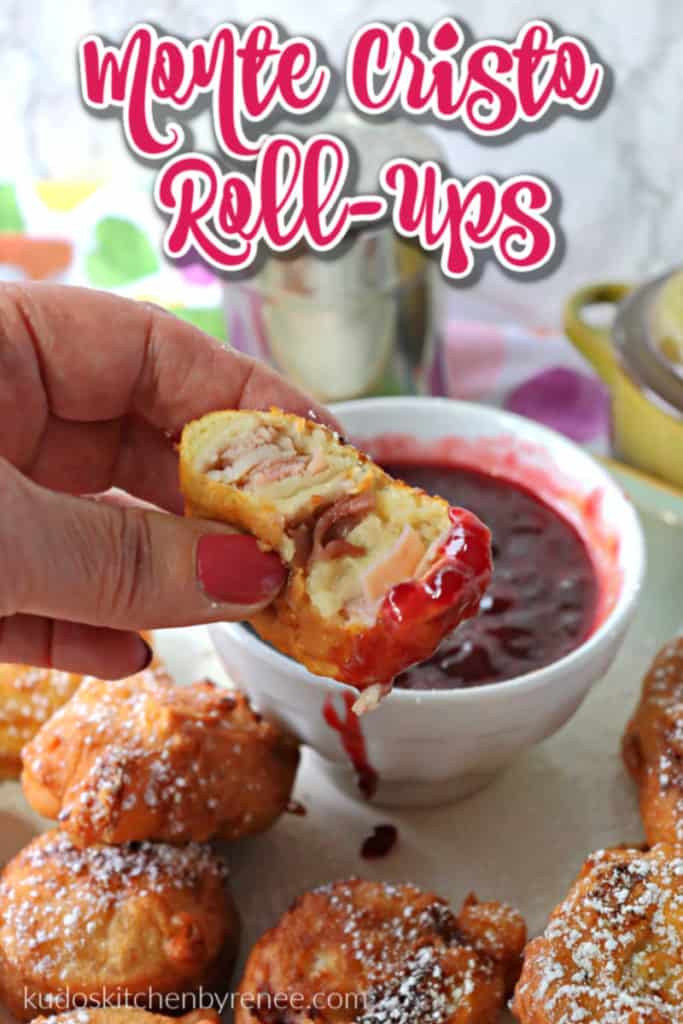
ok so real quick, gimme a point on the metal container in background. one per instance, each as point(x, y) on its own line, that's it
point(365, 320)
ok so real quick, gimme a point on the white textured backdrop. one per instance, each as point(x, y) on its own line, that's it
point(619, 174)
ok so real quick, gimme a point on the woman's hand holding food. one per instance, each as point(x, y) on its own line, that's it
point(94, 391)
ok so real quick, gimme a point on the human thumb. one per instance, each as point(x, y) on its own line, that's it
point(126, 568)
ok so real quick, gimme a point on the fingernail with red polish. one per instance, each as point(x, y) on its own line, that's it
point(147, 654)
point(232, 569)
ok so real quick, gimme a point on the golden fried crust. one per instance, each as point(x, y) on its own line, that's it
point(363, 656)
point(134, 919)
point(250, 512)
point(613, 950)
point(653, 746)
point(144, 758)
point(372, 953)
point(126, 1015)
point(366, 651)
point(28, 698)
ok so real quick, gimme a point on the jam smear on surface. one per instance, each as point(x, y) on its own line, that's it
point(542, 599)
point(380, 843)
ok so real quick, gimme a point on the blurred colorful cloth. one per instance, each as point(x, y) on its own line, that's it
point(529, 372)
point(107, 235)
point(102, 235)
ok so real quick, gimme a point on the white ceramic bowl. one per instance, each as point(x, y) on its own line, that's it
point(434, 746)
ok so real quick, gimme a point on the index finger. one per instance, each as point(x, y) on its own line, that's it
point(89, 356)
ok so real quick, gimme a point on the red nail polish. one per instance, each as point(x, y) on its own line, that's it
point(232, 569)
point(147, 654)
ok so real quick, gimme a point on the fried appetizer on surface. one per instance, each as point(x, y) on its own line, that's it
point(28, 698)
point(144, 758)
point(613, 950)
point(127, 920)
point(380, 571)
point(391, 952)
point(653, 746)
point(126, 1015)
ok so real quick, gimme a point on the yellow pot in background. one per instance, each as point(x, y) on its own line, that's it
point(645, 385)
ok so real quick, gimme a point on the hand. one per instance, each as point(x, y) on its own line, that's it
point(93, 390)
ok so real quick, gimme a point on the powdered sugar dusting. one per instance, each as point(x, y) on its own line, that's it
point(54, 896)
point(653, 745)
point(143, 758)
point(28, 697)
point(75, 1017)
point(412, 958)
point(613, 951)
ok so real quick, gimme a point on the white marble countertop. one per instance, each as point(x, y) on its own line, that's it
point(622, 208)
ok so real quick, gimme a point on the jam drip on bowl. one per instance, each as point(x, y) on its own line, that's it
point(353, 741)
